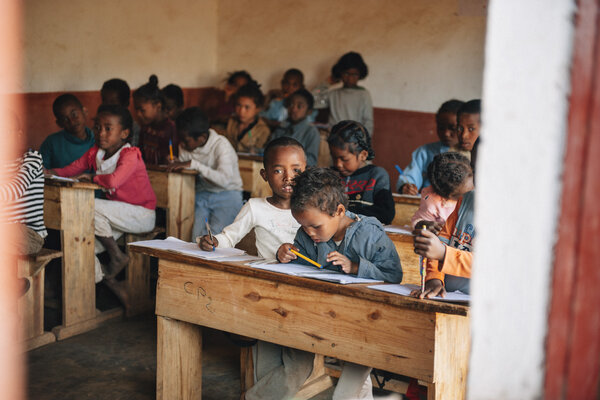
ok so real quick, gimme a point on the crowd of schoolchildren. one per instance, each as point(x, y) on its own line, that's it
point(334, 215)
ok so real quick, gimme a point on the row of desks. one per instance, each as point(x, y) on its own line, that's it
point(423, 339)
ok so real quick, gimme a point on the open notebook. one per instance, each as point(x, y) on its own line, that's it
point(405, 290)
point(307, 271)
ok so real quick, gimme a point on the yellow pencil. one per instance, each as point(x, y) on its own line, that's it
point(423, 261)
point(171, 150)
point(306, 258)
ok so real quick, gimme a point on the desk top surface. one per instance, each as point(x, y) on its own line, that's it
point(248, 156)
point(75, 185)
point(355, 290)
point(163, 168)
point(406, 199)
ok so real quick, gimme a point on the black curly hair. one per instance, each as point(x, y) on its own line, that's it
point(120, 87)
point(320, 188)
point(172, 91)
point(305, 94)
point(353, 136)
point(284, 141)
point(447, 172)
point(149, 91)
point(252, 91)
point(238, 74)
point(125, 118)
point(470, 107)
point(347, 61)
point(450, 106)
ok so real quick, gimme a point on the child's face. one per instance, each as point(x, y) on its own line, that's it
point(171, 109)
point(290, 84)
point(350, 77)
point(285, 164)
point(110, 135)
point(189, 143)
point(298, 109)
point(446, 128)
point(463, 189)
point(147, 111)
point(346, 162)
point(468, 130)
point(246, 110)
point(319, 225)
point(72, 118)
point(111, 98)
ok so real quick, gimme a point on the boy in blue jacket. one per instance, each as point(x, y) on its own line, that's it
point(342, 241)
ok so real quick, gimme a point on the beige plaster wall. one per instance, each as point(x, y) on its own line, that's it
point(77, 45)
point(420, 53)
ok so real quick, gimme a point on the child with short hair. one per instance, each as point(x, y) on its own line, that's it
point(233, 82)
point(350, 102)
point(469, 124)
point(367, 186)
point(299, 106)
point(342, 241)
point(129, 203)
point(246, 131)
point(449, 256)
point(219, 185)
point(63, 147)
point(280, 371)
point(116, 92)
point(158, 131)
point(414, 178)
point(173, 96)
point(276, 112)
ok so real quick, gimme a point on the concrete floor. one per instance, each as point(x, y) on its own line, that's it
point(118, 361)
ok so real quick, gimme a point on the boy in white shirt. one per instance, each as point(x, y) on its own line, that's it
point(280, 371)
point(219, 184)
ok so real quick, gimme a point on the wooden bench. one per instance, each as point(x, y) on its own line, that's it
point(408, 258)
point(31, 304)
point(250, 166)
point(138, 274)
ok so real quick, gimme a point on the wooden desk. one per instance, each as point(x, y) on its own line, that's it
point(176, 192)
point(250, 166)
point(419, 338)
point(409, 260)
point(406, 206)
point(69, 207)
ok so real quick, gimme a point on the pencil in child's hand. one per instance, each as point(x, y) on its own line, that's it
point(423, 268)
point(209, 232)
point(306, 258)
point(399, 169)
point(171, 150)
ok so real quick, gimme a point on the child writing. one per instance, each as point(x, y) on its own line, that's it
point(116, 92)
point(342, 241)
point(218, 185)
point(158, 131)
point(414, 177)
point(64, 147)
point(367, 186)
point(449, 257)
point(350, 102)
point(173, 96)
point(246, 131)
point(117, 167)
point(280, 371)
point(298, 126)
point(276, 112)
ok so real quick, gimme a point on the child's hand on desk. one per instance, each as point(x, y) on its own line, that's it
point(178, 165)
point(428, 245)
point(409, 188)
point(206, 244)
point(433, 287)
point(84, 177)
point(348, 266)
point(432, 226)
point(284, 255)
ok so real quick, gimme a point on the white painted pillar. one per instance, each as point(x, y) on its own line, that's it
point(526, 87)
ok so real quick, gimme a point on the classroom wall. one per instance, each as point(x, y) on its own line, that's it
point(518, 179)
point(77, 45)
point(419, 53)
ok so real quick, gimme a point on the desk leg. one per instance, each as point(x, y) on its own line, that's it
point(181, 195)
point(179, 360)
point(453, 341)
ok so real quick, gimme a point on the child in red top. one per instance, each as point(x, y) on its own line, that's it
point(158, 131)
point(118, 167)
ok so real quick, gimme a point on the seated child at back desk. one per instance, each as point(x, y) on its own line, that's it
point(414, 177)
point(342, 241)
point(246, 131)
point(219, 184)
point(117, 92)
point(62, 148)
point(298, 126)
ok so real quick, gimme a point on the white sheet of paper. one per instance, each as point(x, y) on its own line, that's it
point(337, 277)
point(60, 178)
point(188, 248)
point(405, 290)
point(288, 269)
point(397, 229)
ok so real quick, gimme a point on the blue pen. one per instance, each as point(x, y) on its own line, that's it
point(209, 232)
point(399, 169)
